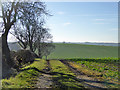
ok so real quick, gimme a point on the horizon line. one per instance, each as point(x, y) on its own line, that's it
point(77, 42)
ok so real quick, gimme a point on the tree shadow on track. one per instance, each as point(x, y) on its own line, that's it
point(65, 77)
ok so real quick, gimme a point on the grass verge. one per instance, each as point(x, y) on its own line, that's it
point(27, 77)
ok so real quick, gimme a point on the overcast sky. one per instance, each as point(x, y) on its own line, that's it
point(83, 21)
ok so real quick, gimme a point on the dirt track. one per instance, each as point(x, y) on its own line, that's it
point(88, 82)
point(46, 81)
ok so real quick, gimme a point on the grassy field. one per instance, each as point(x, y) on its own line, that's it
point(64, 50)
point(83, 51)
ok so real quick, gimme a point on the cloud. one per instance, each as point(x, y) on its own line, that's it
point(86, 15)
point(60, 13)
point(67, 23)
point(99, 19)
point(101, 23)
point(114, 29)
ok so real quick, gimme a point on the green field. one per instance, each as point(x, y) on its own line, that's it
point(83, 51)
point(66, 50)
point(108, 68)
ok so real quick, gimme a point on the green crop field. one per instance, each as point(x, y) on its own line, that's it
point(106, 68)
point(65, 50)
point(83, 51)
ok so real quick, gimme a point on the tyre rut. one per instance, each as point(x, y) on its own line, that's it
point(88, 82)
point(45, 80)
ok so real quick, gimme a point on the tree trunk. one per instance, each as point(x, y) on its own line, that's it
point(46, 57)
point(5, 50)
point(39, 51)
point(31, 48)
point(39, 54)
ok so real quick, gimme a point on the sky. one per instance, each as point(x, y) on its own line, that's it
point(82, 21)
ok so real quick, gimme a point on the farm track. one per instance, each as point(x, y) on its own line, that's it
point(45, 80)
point(88, 82)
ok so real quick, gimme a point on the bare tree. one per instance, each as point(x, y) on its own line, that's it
point(31, 24)
point(48, 48)
point(44, 43)
point(9, 13)
point(13, 12)
point(27, 35)
point(21, 35)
